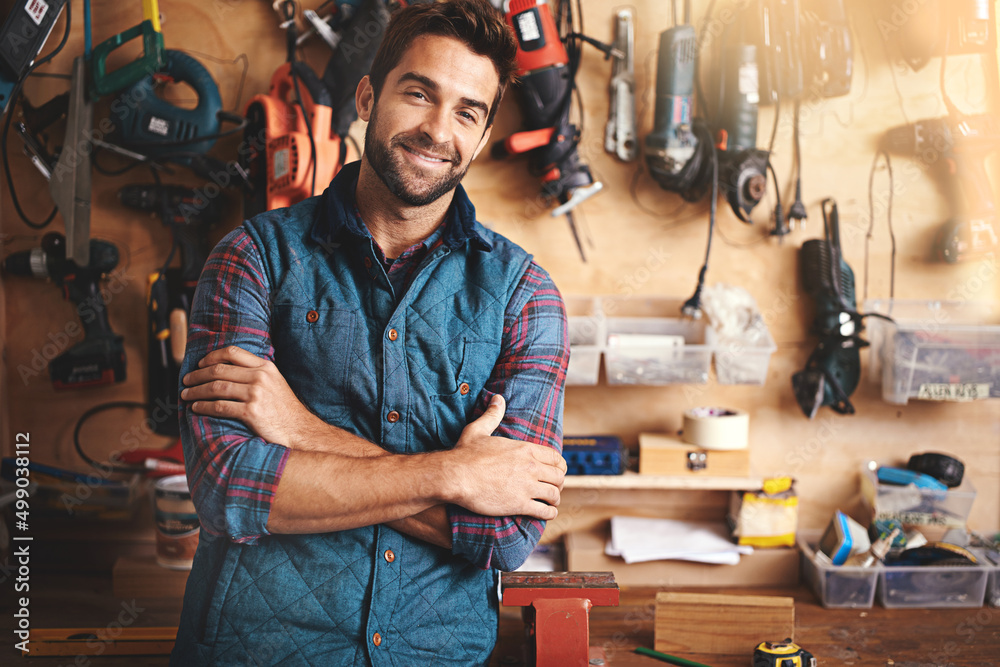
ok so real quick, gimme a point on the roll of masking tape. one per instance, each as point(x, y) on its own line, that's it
point(716, 428)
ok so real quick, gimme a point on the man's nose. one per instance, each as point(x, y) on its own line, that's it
point(436, 125)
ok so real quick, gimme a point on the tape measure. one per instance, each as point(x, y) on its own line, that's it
point(782, 654)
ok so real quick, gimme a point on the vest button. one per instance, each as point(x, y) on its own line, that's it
point(312, 316)
point(393, 334)
point(377, 639)
point(368, 262)
point(389, 556)
point(393, 417)
point(463, 388)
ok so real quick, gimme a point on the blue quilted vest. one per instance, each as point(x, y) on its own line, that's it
point(320, 599)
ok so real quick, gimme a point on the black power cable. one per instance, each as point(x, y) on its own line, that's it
point(104, 407)
point(10, 113)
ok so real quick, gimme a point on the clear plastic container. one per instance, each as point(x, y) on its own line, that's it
point(836, 586)
point(738, 362)
point(932, 586)
point(688, 363)
point(935, 350)
point(587, 333)
point(993, 586)
point(919, 507)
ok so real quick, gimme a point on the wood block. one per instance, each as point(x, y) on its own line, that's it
point(726, 624)
point(141, 577)
point(664, 455)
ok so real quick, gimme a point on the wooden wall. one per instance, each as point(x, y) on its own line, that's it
point(631, 251)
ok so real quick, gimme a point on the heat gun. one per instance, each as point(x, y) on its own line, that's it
point(100, 357)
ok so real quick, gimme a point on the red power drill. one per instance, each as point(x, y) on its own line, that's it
point(546, 81)
point(960, 144)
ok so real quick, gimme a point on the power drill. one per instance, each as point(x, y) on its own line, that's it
point(188, 214)
point(833, 370)
point(959, 144)
point(99, 358)
point(678, 149)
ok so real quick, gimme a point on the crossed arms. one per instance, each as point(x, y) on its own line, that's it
point(260, 462)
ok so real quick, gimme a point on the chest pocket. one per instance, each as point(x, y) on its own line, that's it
point(313, 348)
point(459, 388)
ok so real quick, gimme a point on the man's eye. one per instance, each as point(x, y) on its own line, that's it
point(467, 116)
point(417, 95)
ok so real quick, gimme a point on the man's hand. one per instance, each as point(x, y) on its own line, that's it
point(500, 476)
point(235, 384)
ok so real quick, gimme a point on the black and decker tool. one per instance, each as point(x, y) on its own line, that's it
point(22, 35)
point(547, 74)
point(833, 370)
point(958, 145)
point(99, 358)
point(188, 214)
point(290, 146)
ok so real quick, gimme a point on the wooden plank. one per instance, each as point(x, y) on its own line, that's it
point(715, 623)
point(102, 641)
point(633, 480)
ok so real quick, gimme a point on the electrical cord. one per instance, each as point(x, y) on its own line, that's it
point(104, 407)
point(871, 222)
point(692, 307)
point(15, 93)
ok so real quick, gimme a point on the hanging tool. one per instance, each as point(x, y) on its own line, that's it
point(958, 145)
point(70, 177)
point(556, 609)
point(156, 127)
point(104, 82)
point(547, 63)
point(834, 368)
point(782, 654)
point(22, 36)
point(99, 358)
point(678, 150)
point(933, 28)
point(742, 166)
point(827, 47)
point(188, 214)
point(620, 132)
point(291, 144)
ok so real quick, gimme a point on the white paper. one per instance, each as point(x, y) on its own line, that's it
point(637, 540)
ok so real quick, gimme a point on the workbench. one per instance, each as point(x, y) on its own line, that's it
point(909, 637)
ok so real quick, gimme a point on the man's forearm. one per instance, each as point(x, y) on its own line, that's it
point(322, 492)
point(318, 436)
point(431, 525)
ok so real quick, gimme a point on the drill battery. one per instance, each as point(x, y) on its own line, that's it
point(594, 455)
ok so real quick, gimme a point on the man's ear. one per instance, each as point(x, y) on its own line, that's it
point(482, 142)
point(364, 98)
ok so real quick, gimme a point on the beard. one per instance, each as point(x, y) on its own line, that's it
point(398, 174)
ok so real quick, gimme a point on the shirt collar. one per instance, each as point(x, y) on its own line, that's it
point(337, 215)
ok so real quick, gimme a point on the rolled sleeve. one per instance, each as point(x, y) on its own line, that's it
point(232, 473)
point(531, 375)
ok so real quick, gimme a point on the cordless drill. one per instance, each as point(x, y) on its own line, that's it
point(959, 146)
point(99, 358)
point(188, 214)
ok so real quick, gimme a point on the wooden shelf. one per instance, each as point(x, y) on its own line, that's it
point(633, 480)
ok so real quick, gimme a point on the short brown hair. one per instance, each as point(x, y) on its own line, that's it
point(475, 23)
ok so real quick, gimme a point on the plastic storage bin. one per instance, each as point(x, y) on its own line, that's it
point(993, 587)
point(836, 586)
point(743, 363)
point(932, 586)
point(659, 365)
point(918, 507)
point(936, 350)
point(587, 333)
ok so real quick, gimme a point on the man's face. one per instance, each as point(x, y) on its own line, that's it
point(429, 122)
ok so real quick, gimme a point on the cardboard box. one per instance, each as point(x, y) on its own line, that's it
point(764, 567)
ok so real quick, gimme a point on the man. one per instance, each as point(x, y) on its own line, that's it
point(347, 365)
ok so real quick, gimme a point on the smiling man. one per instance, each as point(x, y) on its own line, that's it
point(373, 388)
